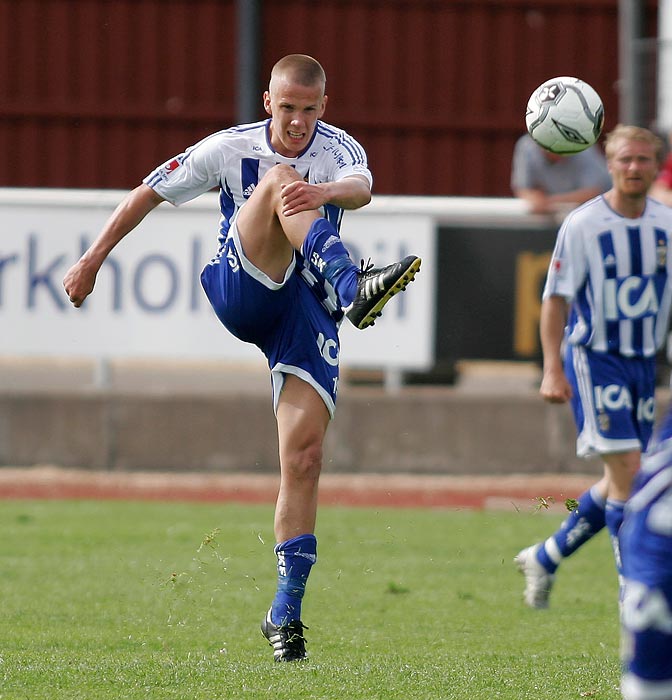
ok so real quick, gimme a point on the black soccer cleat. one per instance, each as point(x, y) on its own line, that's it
point(376, 286)
point(287, 641)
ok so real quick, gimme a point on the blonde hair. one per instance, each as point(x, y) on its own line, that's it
point(633, 133)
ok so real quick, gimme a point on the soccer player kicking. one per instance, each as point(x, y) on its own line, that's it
point(281, 280)
point(607, 301)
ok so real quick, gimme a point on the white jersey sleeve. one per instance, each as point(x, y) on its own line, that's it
point(340, 156)
point(189, 174)
point(569, 265)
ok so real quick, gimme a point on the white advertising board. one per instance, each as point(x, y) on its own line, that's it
point(148, 301)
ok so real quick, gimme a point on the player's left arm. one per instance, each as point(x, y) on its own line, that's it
point(351, 192)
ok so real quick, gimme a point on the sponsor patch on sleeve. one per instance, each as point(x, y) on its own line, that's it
point(557, 267)
point(171, 166)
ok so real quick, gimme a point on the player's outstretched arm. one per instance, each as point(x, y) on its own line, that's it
point(80, 279)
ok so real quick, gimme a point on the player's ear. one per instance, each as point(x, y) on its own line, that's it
point(324, 106)
point(267, 101)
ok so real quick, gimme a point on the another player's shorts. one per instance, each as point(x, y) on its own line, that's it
point(613, 400)
point(284, 319)
point(646, 551)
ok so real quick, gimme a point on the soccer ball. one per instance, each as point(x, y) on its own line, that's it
point(564, 115)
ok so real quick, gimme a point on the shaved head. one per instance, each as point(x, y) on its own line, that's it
point(301, 69)
point(295, 100)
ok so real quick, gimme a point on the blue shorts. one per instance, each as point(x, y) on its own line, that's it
point(613, 400)
point(286, 320)
point(646, 551)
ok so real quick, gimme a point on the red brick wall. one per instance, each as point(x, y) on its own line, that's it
point(95, 93)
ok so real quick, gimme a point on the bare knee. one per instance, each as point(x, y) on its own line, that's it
point(302, 463)
point(302, 424)
point(277, 176)
point(266, 197)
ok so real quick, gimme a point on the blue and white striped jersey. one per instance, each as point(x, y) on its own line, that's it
point(615, 272)
point(646, 553)
point(234, 160)
point(654, 480)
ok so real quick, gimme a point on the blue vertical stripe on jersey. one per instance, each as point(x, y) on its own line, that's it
point(635, 243)
point(249, 175)
point(227, 206)
point(334, 215)
point(609, 262)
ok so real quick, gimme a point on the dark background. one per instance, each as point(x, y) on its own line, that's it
point(96, 93)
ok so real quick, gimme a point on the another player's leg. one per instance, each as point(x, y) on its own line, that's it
point(302, 422)
point(539, 562)
point(634, 428)
point(622, 467)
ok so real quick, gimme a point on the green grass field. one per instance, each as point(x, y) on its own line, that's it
point(146, 600)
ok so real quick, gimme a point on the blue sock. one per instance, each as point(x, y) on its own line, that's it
point(324, 249)
point(295, 559)
point(580, 525)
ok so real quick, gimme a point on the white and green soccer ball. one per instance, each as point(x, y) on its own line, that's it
point(564, 115)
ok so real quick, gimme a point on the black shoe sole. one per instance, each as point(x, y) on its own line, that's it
point(404, 280)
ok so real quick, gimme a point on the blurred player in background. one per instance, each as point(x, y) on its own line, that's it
point(554, 184)
point(646, 549)
point(605, 314)
point(281, 279)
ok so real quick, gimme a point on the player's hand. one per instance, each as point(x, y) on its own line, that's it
point(299, 196)
point(554, 387)
point(79, 281)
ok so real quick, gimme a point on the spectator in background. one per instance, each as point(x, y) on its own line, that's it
point(554, 184)
point(662, 187)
